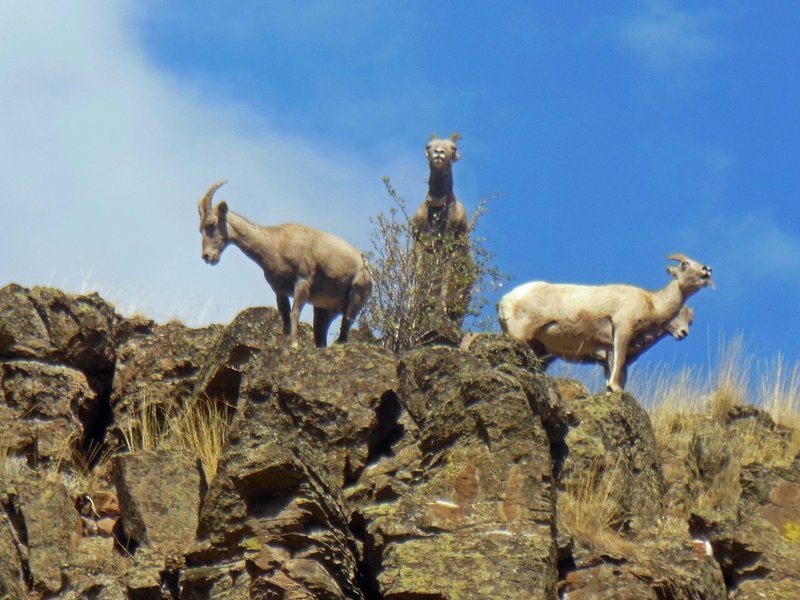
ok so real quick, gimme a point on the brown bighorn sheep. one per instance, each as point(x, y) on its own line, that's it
point(440, 225)
point(298, 262)
point(577, 322)
point(441, 212)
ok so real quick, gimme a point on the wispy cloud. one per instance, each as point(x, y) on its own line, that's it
point(105, 158)
point(762, 249)
point(665, 37)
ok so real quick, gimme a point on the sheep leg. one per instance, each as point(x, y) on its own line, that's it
point(623, 376)
point(302, 290)
point(322, 321)
point(541, 353)
point(616, 361)
point(285, 309)
point(352, 306)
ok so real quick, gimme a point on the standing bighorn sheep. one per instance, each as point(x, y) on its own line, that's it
point(580, 322)
point(440, 225)
point(298, 262)
point(678, 328)
point(441, 212)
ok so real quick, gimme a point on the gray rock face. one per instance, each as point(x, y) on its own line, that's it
point(159, 497)
point(45, 529)
point(46, 324)
point(44, 410)
point(478, 483)
point(350, 472)
point(156, 364)
point(612, 434)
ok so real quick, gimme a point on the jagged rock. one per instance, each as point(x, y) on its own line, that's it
point(674, 571)
point(306, 425)
point(159, 499)
point(95, 570)
point(157, 365)
point(46, 526)
point(253, 333)
point(12, 577)
point(229, 581)
point(515, 358)
point(46, 324)
point(479, 486)
point(758, 548)
point(353, 473)
point(612, 435)
point(43, 409)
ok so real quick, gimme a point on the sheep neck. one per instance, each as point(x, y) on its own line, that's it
point(668, 300)
point(440, 184)
point(253, 240)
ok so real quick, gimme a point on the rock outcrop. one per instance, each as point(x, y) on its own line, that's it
point(350, 472)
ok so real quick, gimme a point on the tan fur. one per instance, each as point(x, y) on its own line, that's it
point(441, 214)
point(614, 323)
point(441, 154)
point(298, 262)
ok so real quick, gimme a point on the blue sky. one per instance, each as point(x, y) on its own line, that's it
point(616, 133)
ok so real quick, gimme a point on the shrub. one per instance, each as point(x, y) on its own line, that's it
point(419, 296)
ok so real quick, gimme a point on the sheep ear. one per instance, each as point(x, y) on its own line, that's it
point(222, 209)
point(433, 137)
point(673, 271)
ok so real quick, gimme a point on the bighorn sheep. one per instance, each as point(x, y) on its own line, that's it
point(678, 328)
point(298, 261)
point(440, 225)
point(441, 212)
point(579, 322)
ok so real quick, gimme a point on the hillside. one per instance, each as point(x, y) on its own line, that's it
point(144, 460)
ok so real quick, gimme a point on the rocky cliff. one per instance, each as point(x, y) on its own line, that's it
point(351, 472)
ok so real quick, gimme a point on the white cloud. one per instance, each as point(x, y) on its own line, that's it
point(664, 37)
point(106, 158)
point(761, 249)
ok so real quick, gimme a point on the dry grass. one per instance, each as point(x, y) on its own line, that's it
point(691, 408)
point(779, 392)
point(200, 428)
point(10, 466)
point(592, 510)
point(731, 378)
point(671, 400)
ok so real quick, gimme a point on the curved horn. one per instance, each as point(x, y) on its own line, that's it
point(433, 137)
point(205, 203)
point(678, 256)
point(455, 137)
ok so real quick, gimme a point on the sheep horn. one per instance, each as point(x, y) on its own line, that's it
point(433, 137)
point(679, 257)
point(205, 203)
point(455, 137)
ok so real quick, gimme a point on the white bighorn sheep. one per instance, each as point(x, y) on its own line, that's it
point(440, 225)
point(298, 261)
point(580, 322)
point(678, 328)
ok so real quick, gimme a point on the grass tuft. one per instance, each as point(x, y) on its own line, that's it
point(592, 510)
point(200, 428)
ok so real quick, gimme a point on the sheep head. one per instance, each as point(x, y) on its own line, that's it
point(442, 153)
point(678, 327)
point(691, 275)
point(213, 225)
